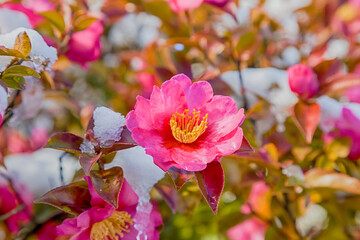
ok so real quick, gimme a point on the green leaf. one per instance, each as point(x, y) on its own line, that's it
point(55, 19)
point(246, 41)
point(108, 183)
point(23, 44)
point(16, 82)
point(73, 198)
point(20, 70)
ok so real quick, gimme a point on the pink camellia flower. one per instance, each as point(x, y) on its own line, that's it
point(180, 5)
point(9, 201)
point(47, 231)
point(353, 94)
point(303, 81)
point(103, 221)
point(251, 229)
point(85, 46)
point(184, 125)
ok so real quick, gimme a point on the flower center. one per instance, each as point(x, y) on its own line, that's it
point(113, 227)
point(186, 128)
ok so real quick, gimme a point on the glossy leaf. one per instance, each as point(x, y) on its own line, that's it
point(108, 183)
point(307, 117)
point(211, 184)
point(340, 82)
point(179, 176)
point(20, 70)
point(322, 178)
point(87, 161)
point(73, 198)
point(125, 142)
point(23, 44)
point(65, 141)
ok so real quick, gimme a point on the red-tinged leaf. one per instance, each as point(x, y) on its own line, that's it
point(307, 117)
point(108, 183)
point(170, 196)
point(211, 184)
point(339, 83)
point(244, 148)
point(179, 176)
point(322, 178)
point(65, 141)
point(73, 198)
point(269, 153)
point(125, 142)
point(87, 161)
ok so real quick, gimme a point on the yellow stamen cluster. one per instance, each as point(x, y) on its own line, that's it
point(113, 227)
point(185, 128)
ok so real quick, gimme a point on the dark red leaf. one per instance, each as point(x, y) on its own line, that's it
point(170, 196)
point(73, 198)
point(87, 161)
point(65, 141)
point(307, 117)
point(108, 183)
point(179, 176)
point(211, 184)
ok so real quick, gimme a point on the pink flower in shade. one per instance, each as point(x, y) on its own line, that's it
point(185, 125)
point(3, 103)
point(353, 94)
point(348, 126)
point(34, 18)
point(9, 201)
point(180, 5)
point(103, 221)
point(20, 144)
point(251, 229)
point(85, 46)
point(303, 81)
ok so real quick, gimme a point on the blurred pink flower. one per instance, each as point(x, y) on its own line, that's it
point(250, 229)
point(303, 81)
point(348, 127)
point(147, 81)
point(184, 125)
point(353, 94)
point(85, 45)
point(9, 201)
point(34, 18)
point(103, 221)
point(20, 144)
point(180, 5)
point(256, 198)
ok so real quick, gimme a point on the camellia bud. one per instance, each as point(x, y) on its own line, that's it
point(303, 81)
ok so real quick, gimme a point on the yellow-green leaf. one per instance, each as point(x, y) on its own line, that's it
point(19, 70)
point(55, 19)
point(16, 82)
point(23, 44)
point(83, 22)
point(10, 52)
point(246, 41)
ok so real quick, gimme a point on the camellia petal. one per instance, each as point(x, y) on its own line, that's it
point(188, 127)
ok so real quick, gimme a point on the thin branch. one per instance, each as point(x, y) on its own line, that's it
point(62, 181)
